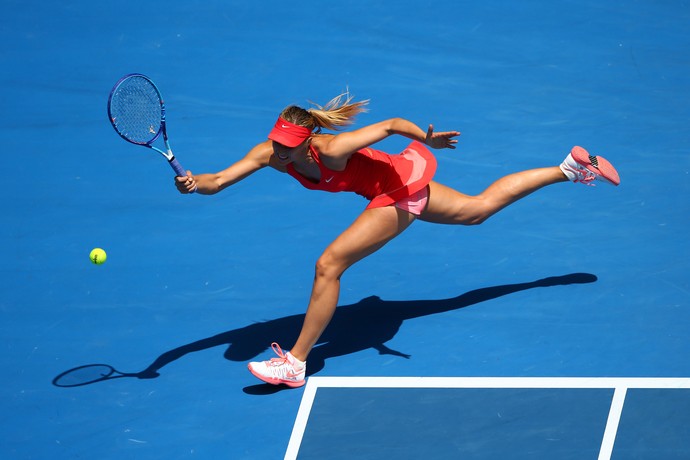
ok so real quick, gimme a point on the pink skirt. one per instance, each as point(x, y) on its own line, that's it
point(422, 171)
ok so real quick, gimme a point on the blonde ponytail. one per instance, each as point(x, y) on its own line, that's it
point(337, 113)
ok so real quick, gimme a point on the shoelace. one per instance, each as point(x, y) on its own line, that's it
point(281, 367)
point(584, 175)
point(588, 177)
point(282, 357)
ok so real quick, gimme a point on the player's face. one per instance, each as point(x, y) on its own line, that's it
point(285, 154)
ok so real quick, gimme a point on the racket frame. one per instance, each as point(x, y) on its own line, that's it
point(168, 154)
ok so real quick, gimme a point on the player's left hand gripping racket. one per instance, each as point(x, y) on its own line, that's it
point(137, 112)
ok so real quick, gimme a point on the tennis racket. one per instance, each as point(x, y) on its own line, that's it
point(137, 112)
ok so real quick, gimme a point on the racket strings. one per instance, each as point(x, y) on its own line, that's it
point(136, 110)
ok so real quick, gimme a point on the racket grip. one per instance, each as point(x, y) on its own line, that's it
point(178, 167)
point(179, 170)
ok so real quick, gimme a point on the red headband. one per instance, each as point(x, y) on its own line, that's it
point(288, 134)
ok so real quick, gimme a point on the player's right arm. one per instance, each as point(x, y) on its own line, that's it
point(210, 183)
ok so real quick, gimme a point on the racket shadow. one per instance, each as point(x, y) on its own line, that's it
point(88, 374)
point(375, 321)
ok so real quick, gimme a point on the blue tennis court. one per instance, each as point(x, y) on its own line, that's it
point(437, 333)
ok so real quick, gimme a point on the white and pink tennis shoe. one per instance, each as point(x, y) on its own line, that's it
point(580, 166)
point(285, 369)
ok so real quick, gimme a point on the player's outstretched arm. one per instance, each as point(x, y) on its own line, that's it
point(211, 183)
point(339, 148)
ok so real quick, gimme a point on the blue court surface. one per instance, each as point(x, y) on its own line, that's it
point(558, 329)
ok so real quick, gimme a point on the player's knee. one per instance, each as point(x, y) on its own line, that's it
point(478, 213)
point(328, 266)
point(476, 219)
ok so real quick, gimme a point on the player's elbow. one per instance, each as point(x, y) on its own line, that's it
point(394, 125)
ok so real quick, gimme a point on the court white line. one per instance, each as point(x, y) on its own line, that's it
point(619, 384)
point(499, 382)
point(302, 418)
point(612, 423)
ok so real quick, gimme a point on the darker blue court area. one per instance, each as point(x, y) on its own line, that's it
point(654, 425)
point(448, 423)
point(573, 281)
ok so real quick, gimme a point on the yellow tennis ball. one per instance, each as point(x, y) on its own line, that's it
point(98, 256)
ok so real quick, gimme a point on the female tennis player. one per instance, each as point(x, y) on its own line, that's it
point(399, 188)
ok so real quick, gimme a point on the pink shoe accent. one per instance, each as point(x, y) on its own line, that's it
point(597, 165)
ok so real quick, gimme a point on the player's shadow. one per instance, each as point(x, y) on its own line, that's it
point(369, 323)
